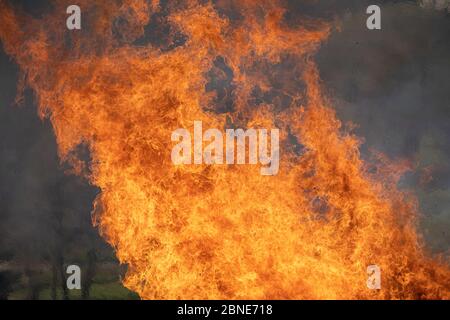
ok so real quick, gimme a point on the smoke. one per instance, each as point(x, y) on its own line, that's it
point(393, 84)
point(44, 213)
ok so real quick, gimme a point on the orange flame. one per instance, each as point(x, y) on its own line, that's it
point(219, 232)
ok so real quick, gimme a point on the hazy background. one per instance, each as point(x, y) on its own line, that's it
point(394, 84)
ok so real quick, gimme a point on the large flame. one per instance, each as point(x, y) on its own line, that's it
point(219, 232)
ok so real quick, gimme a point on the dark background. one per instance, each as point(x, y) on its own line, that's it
point(394, 84)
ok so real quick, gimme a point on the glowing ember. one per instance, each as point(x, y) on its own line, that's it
point(208, 231)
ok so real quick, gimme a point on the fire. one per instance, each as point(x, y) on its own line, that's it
point(208, 231)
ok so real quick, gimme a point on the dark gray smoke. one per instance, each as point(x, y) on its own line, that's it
point(394, 84)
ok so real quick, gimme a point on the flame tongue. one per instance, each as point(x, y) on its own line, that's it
point(215, 231)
